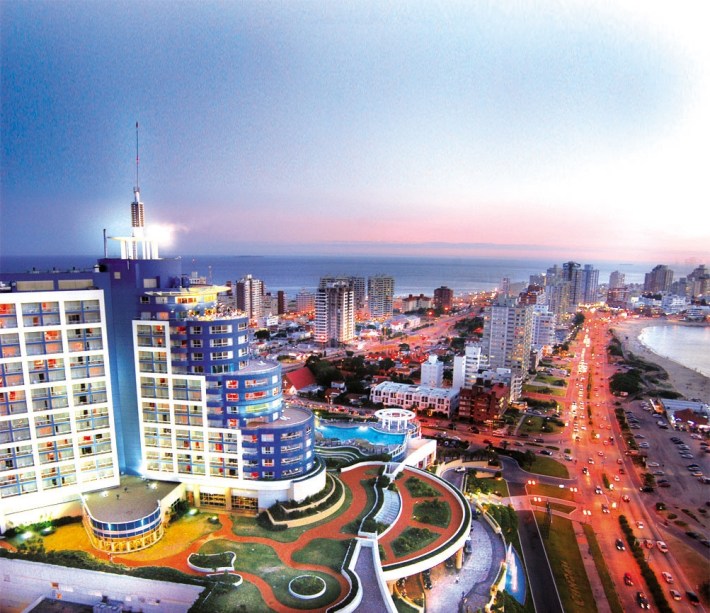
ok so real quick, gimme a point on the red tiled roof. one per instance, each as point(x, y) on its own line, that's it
point(300, 379)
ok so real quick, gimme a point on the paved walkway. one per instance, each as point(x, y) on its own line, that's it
point(469, 588)
point(330, 529)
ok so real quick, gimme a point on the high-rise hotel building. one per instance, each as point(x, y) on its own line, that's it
point(57, 427)
point(131, 368)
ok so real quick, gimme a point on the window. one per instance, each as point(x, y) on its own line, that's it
point(197, 343)
point(232, 384)
point(196, 330)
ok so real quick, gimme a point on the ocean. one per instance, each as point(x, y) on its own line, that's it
point(412, 275)
point(687, 345)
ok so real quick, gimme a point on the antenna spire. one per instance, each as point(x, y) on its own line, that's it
point(137, 189)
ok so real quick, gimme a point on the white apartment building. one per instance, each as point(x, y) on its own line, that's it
point(335, 313)
point(380, 296)
point(544, 326)
point(432, 372)
point(57, 432)
point(431, 400)
point(466, 367)
point(249, 297)
point(507, 339)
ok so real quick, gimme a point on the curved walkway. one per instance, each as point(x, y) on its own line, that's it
point(332, 528)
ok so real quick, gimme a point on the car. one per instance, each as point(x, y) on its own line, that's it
point(696, 473)
point(627, 579)
point(600, 454)
point(693, 598)
point(460, 469)
point(605, 508)
point(653, 464)
point(622, 471)
point(585, 470)
point(647, 489)
point(625, 498)
point(667, 577)
point(545, 452)
point(664, 484)
point(693, 535)
point(639, 525)
point(662, 547)
point(644, 445)
point(620, 545)
point(675, 594)
point(598, 489)
point(642, 600)
point(617, 478)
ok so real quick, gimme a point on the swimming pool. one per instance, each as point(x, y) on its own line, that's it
point(368, 433)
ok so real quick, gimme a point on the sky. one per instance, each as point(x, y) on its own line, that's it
point(558, 129)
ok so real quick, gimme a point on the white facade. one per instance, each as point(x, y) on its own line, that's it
point(380, 296)
point(507, 336)
point(443, 401)
point(335, 313)
point(57, 432)
point(466, 367)
point(249, 297)
point(544, 325)
point(432, 372)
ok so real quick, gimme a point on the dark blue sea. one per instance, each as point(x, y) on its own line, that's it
point(413, 275)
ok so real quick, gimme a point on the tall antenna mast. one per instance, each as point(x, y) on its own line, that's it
point(137, 215)
point(137, 189)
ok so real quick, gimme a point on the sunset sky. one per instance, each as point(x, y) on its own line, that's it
point(547, 129)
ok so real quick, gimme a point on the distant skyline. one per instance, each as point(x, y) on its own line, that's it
point(559, 130)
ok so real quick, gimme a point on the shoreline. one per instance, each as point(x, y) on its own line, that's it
point(690, 383)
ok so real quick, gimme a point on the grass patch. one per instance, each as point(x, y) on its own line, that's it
point(547, 466)
point(248, 526)
point(353, 526)
point(607, 583)
point(434, 512)
point(220, 597)
point(413, 539)
point(567, 566)
point(419, 488)
point(556, 506)
point(323, 552)
point(263, 561)
point(531, 424)
point(551, 491)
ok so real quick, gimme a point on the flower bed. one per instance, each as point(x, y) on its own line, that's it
point(306, 587)
point(213, 562)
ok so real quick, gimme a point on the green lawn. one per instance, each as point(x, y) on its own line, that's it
point(434, 512)
point(225, 599)
point(607, 583)
point(547, 466)
point(552, 491)
point(555, 506)
point(326, 552)
point(247, 526)
point(419, 488)
point(413, 539)
point(263, 561)
point(567, 566)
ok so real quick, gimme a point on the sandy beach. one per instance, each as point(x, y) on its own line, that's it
point(685, 381)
